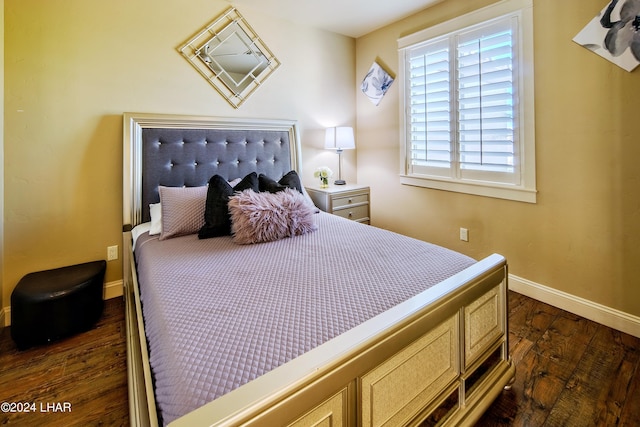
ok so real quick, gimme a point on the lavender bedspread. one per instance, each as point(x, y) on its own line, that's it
point(218, 314)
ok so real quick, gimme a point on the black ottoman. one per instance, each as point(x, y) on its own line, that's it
point(52, 304)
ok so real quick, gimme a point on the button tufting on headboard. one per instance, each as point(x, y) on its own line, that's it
point(191, 156)
point(180, 150)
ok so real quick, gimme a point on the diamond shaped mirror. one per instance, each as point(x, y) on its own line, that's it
point(231, 56)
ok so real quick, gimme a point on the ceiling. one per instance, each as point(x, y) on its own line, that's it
point(353, 18)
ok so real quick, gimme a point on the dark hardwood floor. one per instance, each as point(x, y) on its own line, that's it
point(569, 372)
point(87, 371)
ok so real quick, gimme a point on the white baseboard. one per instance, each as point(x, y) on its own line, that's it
point(607, 316)
point(110, 290)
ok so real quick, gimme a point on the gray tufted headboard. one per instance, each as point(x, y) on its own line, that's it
point(174, 151)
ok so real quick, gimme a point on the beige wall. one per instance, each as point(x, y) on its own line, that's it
point(74, 66)
point(582, 235)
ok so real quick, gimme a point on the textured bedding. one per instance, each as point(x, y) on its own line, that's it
point(218, 314)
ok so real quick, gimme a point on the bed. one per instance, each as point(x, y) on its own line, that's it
point(335, 323)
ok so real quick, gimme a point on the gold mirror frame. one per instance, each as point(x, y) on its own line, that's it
point(230, 55)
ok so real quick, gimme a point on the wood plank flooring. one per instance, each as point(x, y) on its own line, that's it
point(569, 372)
point(88, 370)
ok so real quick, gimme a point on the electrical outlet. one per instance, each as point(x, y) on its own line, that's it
point(464, 234)
point(112, 253)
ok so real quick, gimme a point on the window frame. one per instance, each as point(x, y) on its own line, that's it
point(524, 187)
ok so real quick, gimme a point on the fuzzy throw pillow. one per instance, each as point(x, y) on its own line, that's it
point(265, 217)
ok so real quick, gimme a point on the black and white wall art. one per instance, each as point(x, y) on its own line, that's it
point(615, 33)
point(376, 83)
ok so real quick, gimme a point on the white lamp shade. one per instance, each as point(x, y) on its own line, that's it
point(339, 138)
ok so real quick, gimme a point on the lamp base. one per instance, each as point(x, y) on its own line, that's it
point(339, 182)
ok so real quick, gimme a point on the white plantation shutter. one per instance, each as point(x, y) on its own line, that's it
point(431, 107)
point(463, 103)
point(487, 102)
point(468, 109)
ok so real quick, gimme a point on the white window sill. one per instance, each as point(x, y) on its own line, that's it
point(515, 193)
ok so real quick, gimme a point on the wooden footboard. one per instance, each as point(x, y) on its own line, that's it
point(441, 356)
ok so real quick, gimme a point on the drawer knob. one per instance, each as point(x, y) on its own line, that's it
point(350, 199)
point(350, 214)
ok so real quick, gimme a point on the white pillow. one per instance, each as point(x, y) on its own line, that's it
point(156, 219)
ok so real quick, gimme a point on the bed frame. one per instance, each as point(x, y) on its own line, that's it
point(439, 357)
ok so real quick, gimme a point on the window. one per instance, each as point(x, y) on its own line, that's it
point(468, 104)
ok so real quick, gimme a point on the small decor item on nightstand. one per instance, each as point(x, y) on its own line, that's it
point(324, 173)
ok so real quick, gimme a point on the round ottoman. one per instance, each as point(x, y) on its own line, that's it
point(52, 304)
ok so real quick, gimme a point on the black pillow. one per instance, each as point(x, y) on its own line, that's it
point(290, 180)
point(217, 221)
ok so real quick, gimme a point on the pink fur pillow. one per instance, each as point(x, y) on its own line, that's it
point(265, 217)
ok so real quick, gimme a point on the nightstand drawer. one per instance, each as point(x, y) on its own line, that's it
point(338, 202)
point(355, 212)
point(349, 201)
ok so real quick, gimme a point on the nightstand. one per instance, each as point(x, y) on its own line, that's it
point(348, 201)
